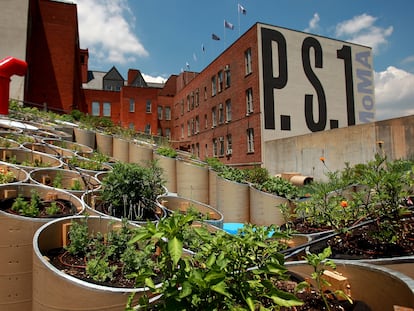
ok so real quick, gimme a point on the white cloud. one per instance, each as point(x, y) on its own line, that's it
point(313, 23)
point(157, 79)
point(394, 93)
point(361, 30)
point(105, 28)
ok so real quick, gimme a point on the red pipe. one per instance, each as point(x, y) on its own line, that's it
point(9, 66)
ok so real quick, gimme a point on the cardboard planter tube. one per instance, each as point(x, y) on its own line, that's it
point(181, 204)
point(55, 290)
point(16, 235)
point(192, 180)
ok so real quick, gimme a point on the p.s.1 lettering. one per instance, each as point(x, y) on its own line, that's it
point(316, 104)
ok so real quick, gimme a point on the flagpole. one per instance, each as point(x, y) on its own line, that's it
point(238, 15)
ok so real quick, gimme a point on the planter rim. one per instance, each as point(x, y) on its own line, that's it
point(74, 279)
point(409, 282)
point(166, 196)
point(24, 172)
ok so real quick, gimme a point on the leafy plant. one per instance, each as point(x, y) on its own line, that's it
point(78, 237)
point(76, 185)
point(167, 152)
point(226, 273)
point(25, 208)
point(57, 181)
point(319, 263)
point(6, 176)
point(131, 189)
point(52, 209)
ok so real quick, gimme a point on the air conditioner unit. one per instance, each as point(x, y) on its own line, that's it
point(229, 151)
point(227, 67)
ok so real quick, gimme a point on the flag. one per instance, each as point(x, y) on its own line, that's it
point(242, 9)
point(228, 25)
point(203, 48)
point(215, 37)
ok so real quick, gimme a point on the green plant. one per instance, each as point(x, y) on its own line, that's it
point(319, 263)
point(167, 152)
point(278, 186)
point(25, 208)
point(78, 237)
point(233, 174)
point(226, 273)
point(57, 181)
point(131, 189)
point(86, 164)
point(52, 209)
point(76, 185)
point(6, 176)
point(100, 269)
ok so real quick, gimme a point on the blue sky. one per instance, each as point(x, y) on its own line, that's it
point(163, 37)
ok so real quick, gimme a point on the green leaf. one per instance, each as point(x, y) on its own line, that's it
point(221, 288)
point(175, 248)
point(212, 275)
point(186, 289)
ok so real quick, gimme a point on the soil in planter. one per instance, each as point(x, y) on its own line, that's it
point(76, 267)
point(65, 208)
point(361, 244)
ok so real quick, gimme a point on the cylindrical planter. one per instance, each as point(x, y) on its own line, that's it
point(120, 149)
point(403, 265)
point(29, 160)
point(68, 145)
point(183, 205)
point(86, 166)
point(379, 288)
point(169, 173)
point(85, 137)
point(72, 181)
point(192, 180)
point(233, 200)
point(48, 149)
point(264, 208)
point(16, 234)
point(54, 290)
point(18, 137)
point(212, 188)
point(8, 143)
point(18, 174)
point(104, 143)
point(140, 153)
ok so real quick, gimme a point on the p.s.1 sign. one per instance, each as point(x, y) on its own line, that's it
point(311, 83)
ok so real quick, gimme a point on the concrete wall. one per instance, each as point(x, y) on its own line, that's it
point(13, 33)
point(356, 144)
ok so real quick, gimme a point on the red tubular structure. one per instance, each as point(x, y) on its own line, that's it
point(9, 66)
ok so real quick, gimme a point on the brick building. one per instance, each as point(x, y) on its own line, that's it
point(271, 83)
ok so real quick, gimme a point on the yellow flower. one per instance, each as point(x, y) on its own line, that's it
point(322, 159)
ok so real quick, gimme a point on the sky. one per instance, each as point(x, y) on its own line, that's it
point(165, 37)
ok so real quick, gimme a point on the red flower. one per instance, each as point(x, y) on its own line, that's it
point(322, 159)
point(344, 204)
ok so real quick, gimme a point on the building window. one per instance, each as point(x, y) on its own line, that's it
point(197, 125)
point(148, 108)
point(198, 150)
point(214, 147)
point(159, 132)
point(205, 93)
point(182, 130)
point(182, 106)
point(131, 126)
point(192, 126)
point(148, 128)
point(214, 117)
point(221, 114)
point(227, 77)
point(229, 150)
point(221, 146)
point(228, 110)
point(131, 105)
point(248, 61)
point(205, 121)
point(213, 86)
point(96, 109)
point(188, 129)
point(168, 132)
point(188, 102)
point(106, 109)
point(206, 150)
point(159, 111)
point(197, 97)
point(167, 113)
point(249, 101)
point(220, 81)
point(192, 101)
point(250, 140)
